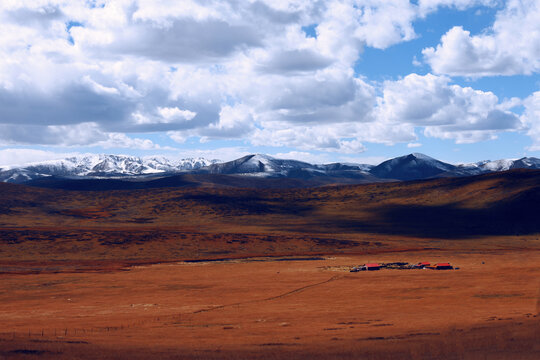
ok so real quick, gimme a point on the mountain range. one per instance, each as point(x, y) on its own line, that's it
point(266, 171)
point(104, 166)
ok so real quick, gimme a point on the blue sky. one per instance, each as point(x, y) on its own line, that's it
point(380, 65)
point(347, 80)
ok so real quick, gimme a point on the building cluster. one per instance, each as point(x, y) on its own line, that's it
point(403, 266)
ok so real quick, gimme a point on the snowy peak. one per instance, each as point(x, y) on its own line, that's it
point(502, 165)
point(526, 163)
point(421, 156)
point(411, 167)
point(258, 164)
point(102, 166)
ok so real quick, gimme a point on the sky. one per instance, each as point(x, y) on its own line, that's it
point(314, 80)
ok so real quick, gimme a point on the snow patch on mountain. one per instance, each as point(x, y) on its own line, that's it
point(501, 165)
point(257, 165)
point(408, 167)
point(488, 165)
point(102, 165)
point(411, 167)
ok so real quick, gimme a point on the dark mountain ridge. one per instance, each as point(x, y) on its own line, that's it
point(256, 171)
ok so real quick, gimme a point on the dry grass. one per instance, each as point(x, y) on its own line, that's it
point(485, 212)
point(278, 309)
point(77, 280)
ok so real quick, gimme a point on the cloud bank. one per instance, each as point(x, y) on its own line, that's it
point(510, 47)
point(273, 73)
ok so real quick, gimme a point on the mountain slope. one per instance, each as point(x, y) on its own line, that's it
point(244, 170)
point(257, 164)
point(266, 166)
point(101, 166)
point(214, 222)
point(483, 167)
point(411, 167)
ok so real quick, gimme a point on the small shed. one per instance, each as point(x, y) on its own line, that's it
point(372, 266)
point(440, 266)
point(422, 265)
point(443, 266)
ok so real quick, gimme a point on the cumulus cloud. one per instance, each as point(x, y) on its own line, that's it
point(119, 140)
point(73, 104)
point(73, 73)
point(220, 153)
point(61, 135)
point(303, 156)
point(295, 61)
point(234, 122)
point(445, 110)
point(181, 40)
point(19, 157)
point(427, 6)
point(85, 134)
point(167, 115)
point(331, 97)
point(384, 23)
point(531, 119)
point(511, 46)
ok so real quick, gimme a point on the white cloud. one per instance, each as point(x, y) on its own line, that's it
point(510, 47)
point(234, 122)
point(174, 113)
point(531, 119)
point(119, 140)
point(326, 158)
point(446, 111)
point(183, 40)
point(55, 135)
point(98, 88)
point(384, 23)
point(372, 160)
point(295, 61)
point(19, 157)
point(167, 115)
point(222, 153)
point(413, 145)
point(330, 138)
point(427, 6)
point(72, 74)
point(303, 156)
point(329, 97)
point(85, 134)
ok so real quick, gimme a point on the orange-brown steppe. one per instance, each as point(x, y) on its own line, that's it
point(110, 274)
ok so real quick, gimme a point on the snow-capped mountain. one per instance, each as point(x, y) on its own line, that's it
point(258, 164)
point(411, 167)
point(267, 166)
point(347, 166)
point(419, 166)
point(486, 166)
point(101, 166)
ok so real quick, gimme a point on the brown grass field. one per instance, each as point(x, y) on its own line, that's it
point(110, 274)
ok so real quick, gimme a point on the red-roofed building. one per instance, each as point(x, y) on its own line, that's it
point(440, 266)
point(372, 266)
point(443, 266)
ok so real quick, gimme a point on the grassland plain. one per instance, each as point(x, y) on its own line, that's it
point(110, 274)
